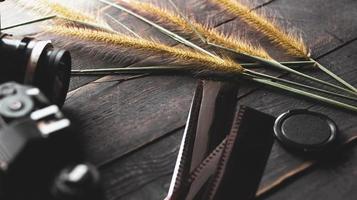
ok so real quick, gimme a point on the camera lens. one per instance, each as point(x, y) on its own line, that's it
point(53, 74)
point(38, 63)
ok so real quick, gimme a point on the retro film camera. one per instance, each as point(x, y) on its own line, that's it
point(39, 154)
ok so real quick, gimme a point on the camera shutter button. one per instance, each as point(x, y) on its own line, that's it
point(15, 105)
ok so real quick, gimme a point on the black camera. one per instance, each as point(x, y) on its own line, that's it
point(39, 154)
point(40, 157)
point(33, 62)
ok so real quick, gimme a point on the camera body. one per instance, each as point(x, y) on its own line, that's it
point(39, 157)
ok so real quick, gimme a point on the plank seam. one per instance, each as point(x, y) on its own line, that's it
point(126, 154)
point(337, 48)
point(263, 5)
point(142, 185)
point(296, 173)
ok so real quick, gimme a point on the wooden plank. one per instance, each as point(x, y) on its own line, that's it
point(156, 189)
point(11, 15)
point(275, 104)
point(153, 163)
point(286, 159)
point(305, 16)
point(282, 162)
point(90, 60)
point(325, 24)
point(328, 181)
point(138, 177)
point(79, 81)
point(340, 27)
point(114, 119)
point(145, 31)
point(203, 11)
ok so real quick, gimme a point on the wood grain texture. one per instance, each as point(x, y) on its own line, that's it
point(346, 122)
point(203, 8)
point(274, 102)
point(153, 163)
point(328, 181)
point(131, 128)
point(116, 118)
point(342, 60)
point(282, 162)
point(203, 11)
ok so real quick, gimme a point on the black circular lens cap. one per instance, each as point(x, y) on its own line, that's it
point(305, 131)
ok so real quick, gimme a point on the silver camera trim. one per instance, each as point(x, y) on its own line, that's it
point(38, 48)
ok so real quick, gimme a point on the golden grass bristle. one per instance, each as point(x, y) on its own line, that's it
point(66, 15)
point(179, 24)
point(293, 44)
point(67, 12)
point(149, 48)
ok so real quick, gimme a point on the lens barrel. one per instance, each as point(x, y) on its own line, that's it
point(34, 62)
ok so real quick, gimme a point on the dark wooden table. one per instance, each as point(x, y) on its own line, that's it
point(131, 126)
